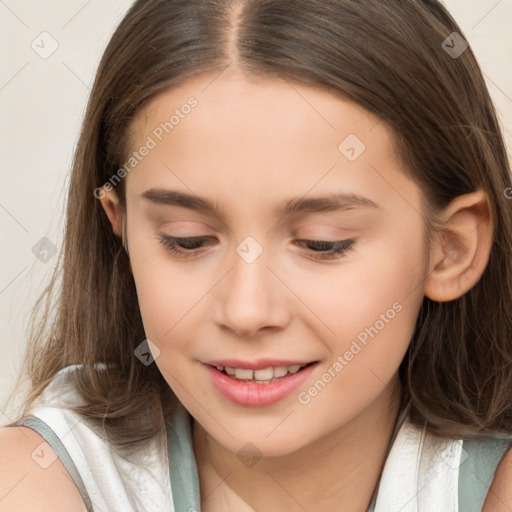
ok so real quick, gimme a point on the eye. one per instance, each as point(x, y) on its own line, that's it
point(328, 250)
point(183, 247)
point(186, 247)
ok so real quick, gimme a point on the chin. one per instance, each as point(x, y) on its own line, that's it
point(256, 441)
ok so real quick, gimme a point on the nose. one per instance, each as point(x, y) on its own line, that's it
point(251, 299)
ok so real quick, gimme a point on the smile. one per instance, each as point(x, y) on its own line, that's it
point(262, 376)
point(258, 387)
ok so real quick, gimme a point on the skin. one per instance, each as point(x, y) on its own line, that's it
point(248, 147)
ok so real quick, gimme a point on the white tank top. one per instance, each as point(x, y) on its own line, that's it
point(422, 473)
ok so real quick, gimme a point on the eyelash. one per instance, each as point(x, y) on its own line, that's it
point(337, 248)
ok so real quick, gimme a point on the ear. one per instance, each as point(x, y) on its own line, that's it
point(110, 202)
point(461, 249)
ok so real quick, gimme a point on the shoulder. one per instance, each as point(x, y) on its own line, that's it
point(32, 477)
point(499, 497)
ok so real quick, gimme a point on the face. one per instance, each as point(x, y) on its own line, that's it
point(339, 287)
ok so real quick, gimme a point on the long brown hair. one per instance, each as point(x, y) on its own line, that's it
point(385, 55)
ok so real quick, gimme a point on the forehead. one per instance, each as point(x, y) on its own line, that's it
point(262, 139)
point(271, 115)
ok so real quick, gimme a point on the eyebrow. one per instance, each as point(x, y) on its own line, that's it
point(332, 202)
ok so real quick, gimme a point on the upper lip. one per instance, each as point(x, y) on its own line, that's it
point(256, 365)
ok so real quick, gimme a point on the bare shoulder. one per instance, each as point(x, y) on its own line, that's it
point(32, 477)
point(499, 497)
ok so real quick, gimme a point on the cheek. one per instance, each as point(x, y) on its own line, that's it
point(167, 297)
point(370, 287)
point(373, 313)
point(167, 291)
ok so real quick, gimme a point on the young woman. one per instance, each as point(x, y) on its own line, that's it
point(286, 280)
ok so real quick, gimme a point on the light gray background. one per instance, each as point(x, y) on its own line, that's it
point(42, 101)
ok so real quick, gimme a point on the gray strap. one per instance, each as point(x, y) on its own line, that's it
point(476, 472)
point(51, 438)
point(182, 464)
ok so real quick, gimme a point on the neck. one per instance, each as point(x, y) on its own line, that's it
point(337, 472)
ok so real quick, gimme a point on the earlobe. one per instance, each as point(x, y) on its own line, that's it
point(110, 203)
point(461, 249)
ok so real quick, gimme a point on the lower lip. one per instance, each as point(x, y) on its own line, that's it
point(251, 394)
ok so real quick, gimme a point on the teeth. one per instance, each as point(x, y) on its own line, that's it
point(263, 375)
point(243, 373)
point(280, 371)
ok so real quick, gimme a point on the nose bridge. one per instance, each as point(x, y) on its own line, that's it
point(249, 299)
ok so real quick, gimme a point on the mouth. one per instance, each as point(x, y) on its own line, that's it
point(258, 387)
point(262, 375)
